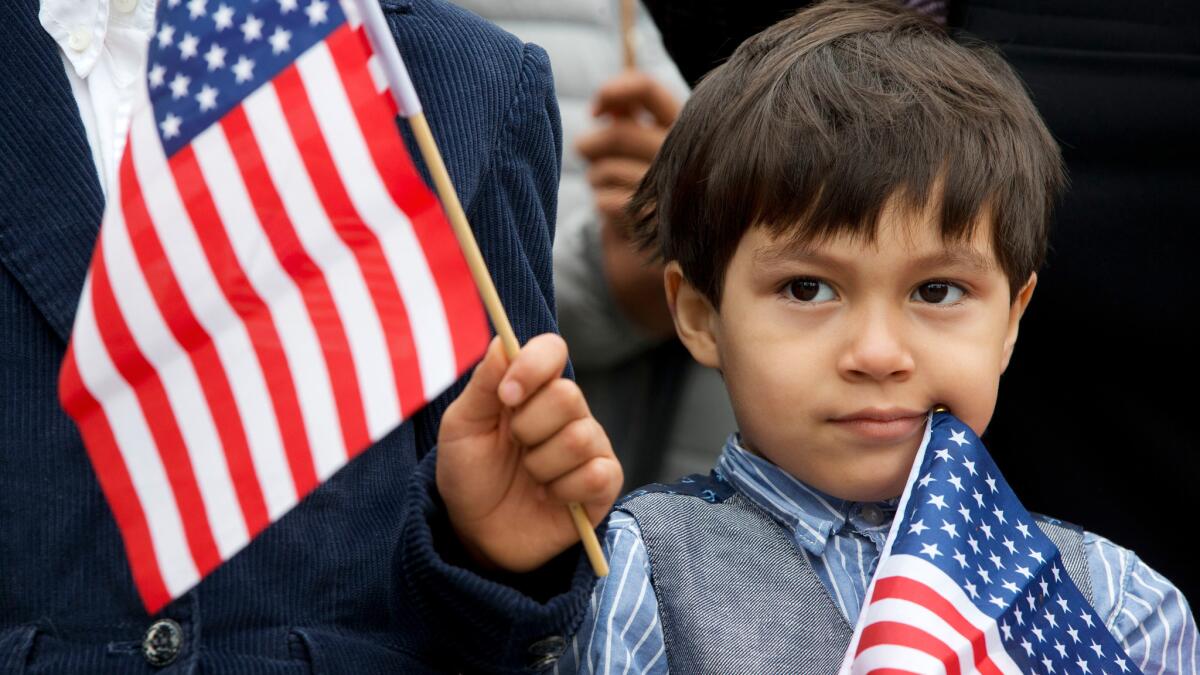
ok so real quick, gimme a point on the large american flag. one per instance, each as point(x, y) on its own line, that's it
point(968, 583)
point(274, 287)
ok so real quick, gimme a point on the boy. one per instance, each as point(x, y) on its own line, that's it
point(852, 211)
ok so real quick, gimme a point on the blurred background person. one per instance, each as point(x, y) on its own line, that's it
point(666, 415)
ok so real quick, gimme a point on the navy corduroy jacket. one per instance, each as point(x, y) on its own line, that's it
point(361, 576)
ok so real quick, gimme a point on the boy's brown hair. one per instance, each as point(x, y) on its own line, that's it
point(814, 124)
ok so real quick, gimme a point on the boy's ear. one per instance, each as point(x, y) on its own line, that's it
point(694, 316)
point(1019, 303)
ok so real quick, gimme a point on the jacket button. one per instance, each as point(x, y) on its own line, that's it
point(163, 642)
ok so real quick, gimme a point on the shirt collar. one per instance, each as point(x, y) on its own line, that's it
point(79, 28)
point(812, 516)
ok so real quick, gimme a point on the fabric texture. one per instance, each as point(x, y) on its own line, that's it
point(665, 413)
point(672, 587)
point(363, 576)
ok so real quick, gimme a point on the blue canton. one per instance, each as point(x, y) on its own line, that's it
point(207, 56)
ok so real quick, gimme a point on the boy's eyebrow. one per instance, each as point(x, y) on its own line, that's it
point(952, 256)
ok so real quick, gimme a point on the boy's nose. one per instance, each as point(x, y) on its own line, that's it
point(876, 349)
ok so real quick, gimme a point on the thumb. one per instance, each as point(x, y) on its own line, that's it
point(477, 409)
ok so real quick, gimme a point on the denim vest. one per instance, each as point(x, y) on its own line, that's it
point(735, 595)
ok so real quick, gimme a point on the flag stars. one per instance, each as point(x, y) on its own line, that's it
point(973, 543)
point(1056, 572)
point(978, 497)
point(1049, 617)
point(1036, 555)
point(215, 56)
point(925, 480)
point(1074, 633)
point(956, 482)
point(188, 46)
point(1032, 601)
point(965, 513)
point(286, 6)
point(996, 561)
point(970, 466)
point(1087, 618)
point(930, 550)
point(1097, 648)
point(999, 515)
point(938, 501)
point(1019, 615)
point(959, 437)
point(942, 454)
point(1027, 646)
point(1006, 629)
point(1121, 664)
point(1008, 544)
point(1024, 571)
point(170, 126)
point(918, 527)
point(1045, 587)
point(223, 17)
point(1062, 602)
point(243, 70)
point(1037, 633)
point(1083, 665)
point(251, 28)
point(1010, 587)
point(996, 601)
point(157, 76)
point(179, 85)
point(316, 12)
point(207, 98)
point(166, 35)
point(971, 590)
point(1060, 648)
point(991, 483)
point(949, 528)
point(1023, 529)
point(960, 558)
point(280, 40)
point(984, 574)
point(1047, 664)
point(987, 531)
point(196, 8)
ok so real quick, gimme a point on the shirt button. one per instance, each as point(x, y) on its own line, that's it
point(80, 39)
point(163, 642)
point(125, 6)
point(871, 514)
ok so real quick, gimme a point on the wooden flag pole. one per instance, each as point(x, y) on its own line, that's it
point(491, 299)
point(409, 105)
point(628, 9)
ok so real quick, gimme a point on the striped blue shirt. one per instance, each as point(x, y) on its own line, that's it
point(843, 540)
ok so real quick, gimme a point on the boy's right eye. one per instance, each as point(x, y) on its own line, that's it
point(809, 290)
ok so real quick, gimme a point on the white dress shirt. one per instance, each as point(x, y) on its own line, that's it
point(103, 45)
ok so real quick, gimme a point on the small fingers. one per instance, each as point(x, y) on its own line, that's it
point(572, 446)
point(616, 172)
point(622, 138)
point(598, 481)
point(547, 412)
point(540, 361)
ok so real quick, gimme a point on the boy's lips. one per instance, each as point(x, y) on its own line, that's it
point(882, 425)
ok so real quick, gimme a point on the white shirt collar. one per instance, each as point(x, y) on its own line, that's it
point(84, 28)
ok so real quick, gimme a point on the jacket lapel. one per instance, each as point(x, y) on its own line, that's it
point(50, 199)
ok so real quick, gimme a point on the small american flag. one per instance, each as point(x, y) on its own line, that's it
point(274, 287)
point(968, 583)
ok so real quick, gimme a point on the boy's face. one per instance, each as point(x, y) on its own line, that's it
point(834, 353)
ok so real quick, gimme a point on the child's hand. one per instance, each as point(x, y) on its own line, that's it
point(514, 448)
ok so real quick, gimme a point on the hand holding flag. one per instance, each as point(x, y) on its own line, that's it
point(515, 446)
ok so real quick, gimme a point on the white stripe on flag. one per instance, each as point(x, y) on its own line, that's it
point(256, 257)
point(372, 362)
point(374, 203)
point(891, 656)
point(120, 407)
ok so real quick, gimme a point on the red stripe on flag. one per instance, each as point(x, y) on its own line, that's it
point(305, 273)
point(904, 635)
point(903, 588)
point(367, 249)
point(468, 325)
point(256, 317)
point(156, 408)
point(114, 479)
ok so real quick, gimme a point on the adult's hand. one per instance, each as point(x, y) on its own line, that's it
point(638, 112)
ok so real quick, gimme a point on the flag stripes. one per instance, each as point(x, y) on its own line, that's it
point(263, 304)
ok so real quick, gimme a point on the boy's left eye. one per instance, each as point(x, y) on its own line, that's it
point(938, 293)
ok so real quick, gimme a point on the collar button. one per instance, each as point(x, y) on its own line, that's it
point(871, 514)
point(80, 39)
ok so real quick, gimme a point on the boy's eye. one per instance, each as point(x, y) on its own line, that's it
point(938, 293)
point(809, 290)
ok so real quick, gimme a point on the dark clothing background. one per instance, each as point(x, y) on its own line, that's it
point(1093, 422)
point(355, 579)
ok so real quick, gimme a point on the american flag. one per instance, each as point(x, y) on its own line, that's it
point(274, 287)
point(968, 583)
